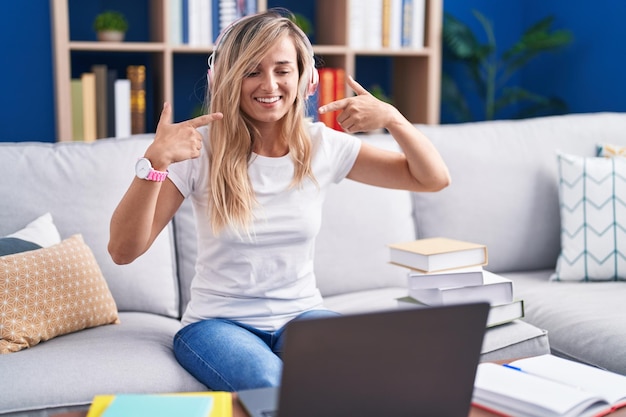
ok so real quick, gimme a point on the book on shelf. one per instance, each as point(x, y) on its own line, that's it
point(418, 20)
point(137, 76)
point(110, 118)
point(100, 72)
point(88, 80)
point(437, 254)
point(495, 289)
point(331, 88)
point(206, 404)
point(122, 108)
point(548, 386)
point(199, 22)
point(471, 275)
point(76, 86)
point(498, 313)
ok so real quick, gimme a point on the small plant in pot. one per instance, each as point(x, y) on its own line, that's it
point(110, 26)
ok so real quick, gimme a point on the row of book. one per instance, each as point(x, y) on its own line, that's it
point(104, 105)
point(199, 22)
point(444, 271)
point(394, 24)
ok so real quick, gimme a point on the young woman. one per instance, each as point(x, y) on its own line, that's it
point(257, 172)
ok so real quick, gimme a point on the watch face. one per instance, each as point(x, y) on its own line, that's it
point(142, 168)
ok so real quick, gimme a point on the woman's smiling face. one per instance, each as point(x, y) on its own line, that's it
point(269, 90)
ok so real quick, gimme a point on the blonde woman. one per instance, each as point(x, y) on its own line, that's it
point(257, 172)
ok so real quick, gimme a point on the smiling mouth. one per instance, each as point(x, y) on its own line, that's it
point(268, 100)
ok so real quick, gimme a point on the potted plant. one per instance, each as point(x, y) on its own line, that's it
point(489, 73)
point(110, 26)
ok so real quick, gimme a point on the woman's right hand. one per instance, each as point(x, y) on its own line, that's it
point(174, 142)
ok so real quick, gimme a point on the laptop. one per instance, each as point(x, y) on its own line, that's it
point(409, 362)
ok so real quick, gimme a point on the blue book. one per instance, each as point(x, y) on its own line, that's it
point(185, 22)
point(125, 405)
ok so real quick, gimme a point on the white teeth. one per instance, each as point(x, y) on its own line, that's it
point(268, 99)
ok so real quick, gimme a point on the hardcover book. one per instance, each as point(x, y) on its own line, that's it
point(437, 254)
point(472, 275)
point(495, 289)
point(498, 313)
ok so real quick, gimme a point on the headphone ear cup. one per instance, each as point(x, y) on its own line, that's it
point(313, 82)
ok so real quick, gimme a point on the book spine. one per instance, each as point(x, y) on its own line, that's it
point(77, 109)
point(89, 106)
point(340, 92)
point(175, 21)
point(111, 78)
point(418, 22)
point(395, 27)
point(137, 76)
point(122, 108)
point(327, 94)
point(407, 23)
point(386, 24)
point(100, 72)
point(357, 21)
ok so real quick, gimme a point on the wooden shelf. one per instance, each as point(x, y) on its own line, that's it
point(416, 77)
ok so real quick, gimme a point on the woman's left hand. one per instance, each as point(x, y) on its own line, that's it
point(363, 112)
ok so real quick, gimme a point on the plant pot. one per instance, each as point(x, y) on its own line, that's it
point(110, 36)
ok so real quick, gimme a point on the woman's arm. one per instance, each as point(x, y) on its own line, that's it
point(148, 206)
point(418, 168)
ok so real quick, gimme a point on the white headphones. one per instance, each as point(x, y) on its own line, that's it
point(314, 75)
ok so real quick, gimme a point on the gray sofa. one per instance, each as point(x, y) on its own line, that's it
point(503, 194)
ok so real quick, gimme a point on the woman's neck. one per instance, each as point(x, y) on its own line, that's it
point(269, 142)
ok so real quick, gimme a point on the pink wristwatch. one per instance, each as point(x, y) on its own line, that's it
point(144, 170)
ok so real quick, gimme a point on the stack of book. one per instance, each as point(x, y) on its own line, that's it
point(445, 271)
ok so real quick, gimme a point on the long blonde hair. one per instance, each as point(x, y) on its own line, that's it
point(240, 47)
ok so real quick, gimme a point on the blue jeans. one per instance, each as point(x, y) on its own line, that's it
point(226, 355)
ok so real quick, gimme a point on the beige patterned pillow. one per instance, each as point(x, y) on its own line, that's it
point(49, 292)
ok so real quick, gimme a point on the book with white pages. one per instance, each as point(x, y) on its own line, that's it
point(472, 275)
point(548, 386)
point(498, 313)
point(437, 254)
point(495, 289)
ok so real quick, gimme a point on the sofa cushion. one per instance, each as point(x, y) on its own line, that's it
point(40, 231)
point(592, 193)
point(66, 180)
point(67, 371)
point(49, 292)
point(504, 190)
point(584, 321)
point(358, 222)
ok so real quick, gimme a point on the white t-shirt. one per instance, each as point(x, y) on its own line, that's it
point(265, 279)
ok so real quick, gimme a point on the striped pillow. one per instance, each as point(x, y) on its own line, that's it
point(592, 196)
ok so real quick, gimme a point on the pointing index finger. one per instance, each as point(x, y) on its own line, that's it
point(358, 88)
point(205, 119)
point(334, 106)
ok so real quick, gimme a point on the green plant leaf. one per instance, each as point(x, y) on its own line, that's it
point(488, 74)
point(453, 99)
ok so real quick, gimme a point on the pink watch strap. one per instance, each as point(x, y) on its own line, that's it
point(158, 176)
